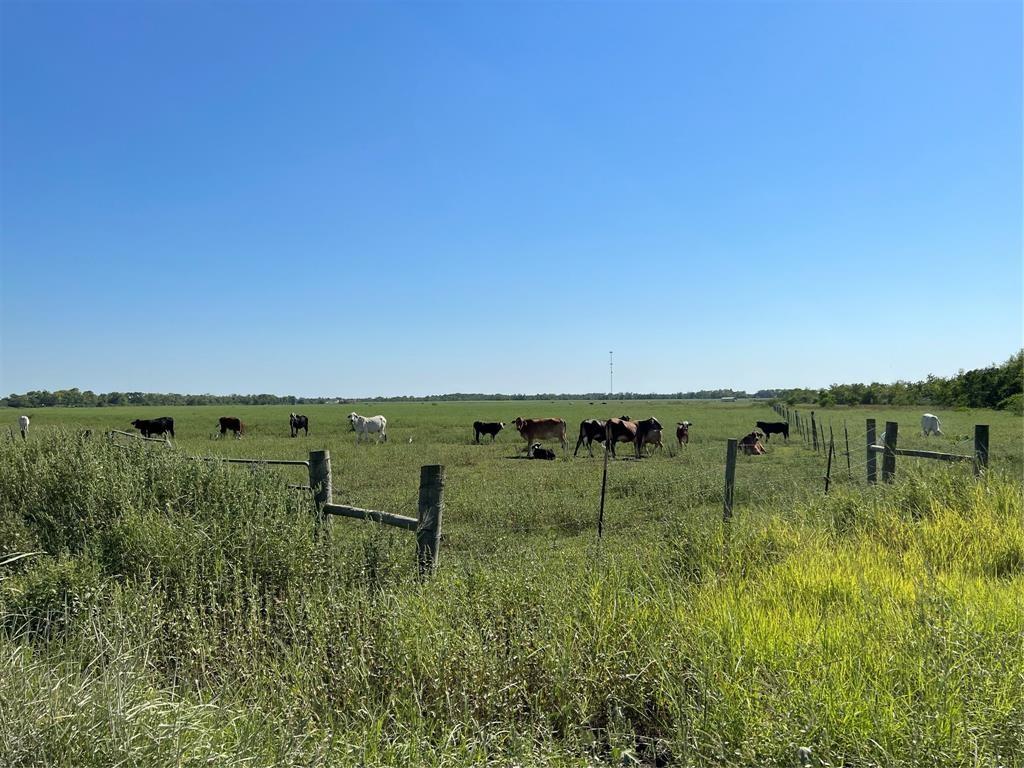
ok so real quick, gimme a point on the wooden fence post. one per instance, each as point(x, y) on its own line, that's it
point(730, 478)
point(429, 511)
point(320, 479)
point(814, 432)
point(872, 461)
point(889, 457)
point(980, 449)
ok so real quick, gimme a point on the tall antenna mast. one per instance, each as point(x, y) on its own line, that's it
point(611, 373)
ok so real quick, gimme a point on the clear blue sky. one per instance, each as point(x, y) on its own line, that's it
point(381, 198)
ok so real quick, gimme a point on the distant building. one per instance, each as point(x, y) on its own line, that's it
point(728, 399)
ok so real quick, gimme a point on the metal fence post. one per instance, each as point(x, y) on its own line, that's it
point(872, 461)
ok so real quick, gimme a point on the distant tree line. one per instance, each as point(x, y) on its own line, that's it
point(76, 398)
point(997, 386)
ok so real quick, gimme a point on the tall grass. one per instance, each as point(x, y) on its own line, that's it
point(182, 613)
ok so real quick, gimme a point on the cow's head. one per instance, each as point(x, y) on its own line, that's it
point(136, 423)
point(654, 423)
point(352, 417)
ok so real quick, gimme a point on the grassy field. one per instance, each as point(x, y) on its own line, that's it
point(187, 612)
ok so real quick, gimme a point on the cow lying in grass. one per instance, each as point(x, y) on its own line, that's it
point(751, 444)
point(538, 452)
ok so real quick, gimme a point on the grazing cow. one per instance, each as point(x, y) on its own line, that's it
point(537, 452)
point(591, 431)
point(683, 432)
point(491, 428)
point(751, 444)
point(150, 427)
point(619, 431)
point(773, 428)
point(23, 426)
point(297, 421)
point(929, 424)
point(367, 425)
point(647, 431)
point(532, 430)
point(231, 424)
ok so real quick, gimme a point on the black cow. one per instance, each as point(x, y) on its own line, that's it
point(537, 452)
point(231, 424)
point(644, 430)
point(297, 421)
point(150, 427)
point(591, 431)
point(774, 428)
point(491, 428)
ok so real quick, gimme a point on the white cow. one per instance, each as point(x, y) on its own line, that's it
point(23, 425)
point(929, 424)
point(364, 425)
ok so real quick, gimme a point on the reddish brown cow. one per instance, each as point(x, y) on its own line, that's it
point(533, 430)
point(683, 432)
point(751, 444)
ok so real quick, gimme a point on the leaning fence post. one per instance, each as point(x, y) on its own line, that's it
point(814, 432)
point(889, 457)
point(872, 461)
point(429, 512)
point(846, 435)
point(730, 478)
point(828, 469)
point(320, 479)
point(980, 448)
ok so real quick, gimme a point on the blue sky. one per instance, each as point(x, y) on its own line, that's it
point(384, 198)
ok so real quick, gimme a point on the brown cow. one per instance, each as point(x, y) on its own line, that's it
point(533, 430)
point(619, 431)
point(683, 432)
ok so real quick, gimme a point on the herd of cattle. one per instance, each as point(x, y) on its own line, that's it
point(645, 435)
point(164, 425)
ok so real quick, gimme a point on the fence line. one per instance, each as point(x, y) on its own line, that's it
point(889, 451)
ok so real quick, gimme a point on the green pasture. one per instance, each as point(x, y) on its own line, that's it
point(168, 611)
point(490, 488)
